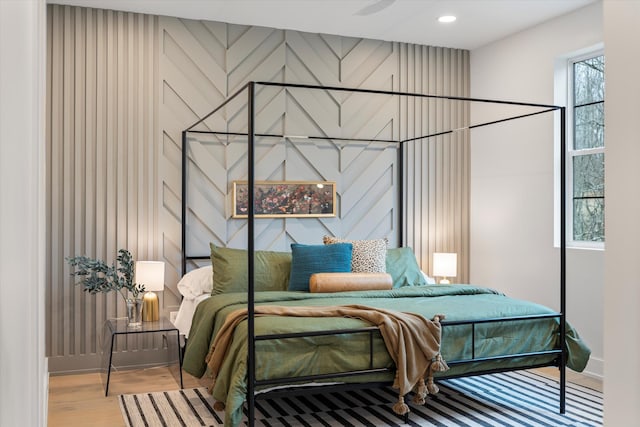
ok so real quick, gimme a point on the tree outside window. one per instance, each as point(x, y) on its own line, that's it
point(586, 154)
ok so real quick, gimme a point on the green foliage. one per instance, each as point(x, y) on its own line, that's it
point(96, 276)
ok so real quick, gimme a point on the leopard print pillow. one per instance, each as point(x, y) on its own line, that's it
point(368, 256)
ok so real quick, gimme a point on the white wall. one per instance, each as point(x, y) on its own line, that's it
point(622, 263)
point(512, 178)
point(23, 367)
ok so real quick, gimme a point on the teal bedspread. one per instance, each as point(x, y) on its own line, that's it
point(328, 354)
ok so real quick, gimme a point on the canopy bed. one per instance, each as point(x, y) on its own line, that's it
point(332, 342)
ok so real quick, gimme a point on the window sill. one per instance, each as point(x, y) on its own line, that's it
point(586, 246)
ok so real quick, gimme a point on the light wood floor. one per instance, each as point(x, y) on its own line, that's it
point(79, 400)
point(573, 377)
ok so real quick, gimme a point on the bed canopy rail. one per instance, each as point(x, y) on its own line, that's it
point(545, 108)
point(249, 90)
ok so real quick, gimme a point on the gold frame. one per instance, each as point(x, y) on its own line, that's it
point(295, 207)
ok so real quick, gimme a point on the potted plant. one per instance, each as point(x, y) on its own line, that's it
point(96, 276)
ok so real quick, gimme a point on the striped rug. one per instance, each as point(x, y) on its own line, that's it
point(509, 399)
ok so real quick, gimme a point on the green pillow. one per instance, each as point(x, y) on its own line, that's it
point(309, 259)
point(403, 268)
point(271, 270)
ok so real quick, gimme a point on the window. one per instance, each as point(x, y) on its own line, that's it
point(585, 167)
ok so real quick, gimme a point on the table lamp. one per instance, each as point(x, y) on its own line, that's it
point(151, 275)
point(445, 265)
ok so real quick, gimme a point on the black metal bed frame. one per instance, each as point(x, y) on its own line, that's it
point(250, 87)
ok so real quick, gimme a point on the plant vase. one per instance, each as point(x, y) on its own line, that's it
point(134, 312)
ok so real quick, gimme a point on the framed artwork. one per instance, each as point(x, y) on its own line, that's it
point(286, 199)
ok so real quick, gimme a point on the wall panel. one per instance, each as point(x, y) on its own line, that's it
point(102, 138)
point(437, 169)
point(122, 88)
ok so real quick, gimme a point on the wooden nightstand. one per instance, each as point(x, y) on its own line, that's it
point(118, 327)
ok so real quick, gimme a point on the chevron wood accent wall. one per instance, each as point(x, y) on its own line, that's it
point(223, 57)
point(123, 86)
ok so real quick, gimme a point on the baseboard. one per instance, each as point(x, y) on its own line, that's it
point(121, 360)
point(595, 368)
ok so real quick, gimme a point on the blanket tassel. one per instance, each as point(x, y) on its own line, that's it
point(420, 397)
point(400, 407)
point(438, 364)
point(431, 386)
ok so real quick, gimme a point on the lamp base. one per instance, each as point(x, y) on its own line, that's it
point(444, 281)
point(150, 307)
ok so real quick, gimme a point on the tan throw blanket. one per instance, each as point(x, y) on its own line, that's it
point(412, 341)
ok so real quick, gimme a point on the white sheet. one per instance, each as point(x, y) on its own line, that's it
point(185, 313)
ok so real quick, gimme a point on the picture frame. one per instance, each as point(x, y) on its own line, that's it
point(286, 199)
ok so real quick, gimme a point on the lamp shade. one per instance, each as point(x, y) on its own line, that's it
point(150, 274)
point(445, 264)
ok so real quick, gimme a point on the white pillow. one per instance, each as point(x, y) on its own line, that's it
point(430, 280)
point(196, 282)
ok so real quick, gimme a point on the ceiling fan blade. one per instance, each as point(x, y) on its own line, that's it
point(375, 7)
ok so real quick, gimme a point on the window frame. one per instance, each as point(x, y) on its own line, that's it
point(571, 153)
point(564, 95)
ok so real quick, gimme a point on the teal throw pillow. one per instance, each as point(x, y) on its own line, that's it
point(271, 270)
point(309, 259)
point(403, 268)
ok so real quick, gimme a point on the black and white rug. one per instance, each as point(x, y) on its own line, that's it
point(509, 399)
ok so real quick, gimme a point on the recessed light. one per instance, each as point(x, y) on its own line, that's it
point(445, 19)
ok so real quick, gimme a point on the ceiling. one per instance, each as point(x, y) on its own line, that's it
point(413, 21)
